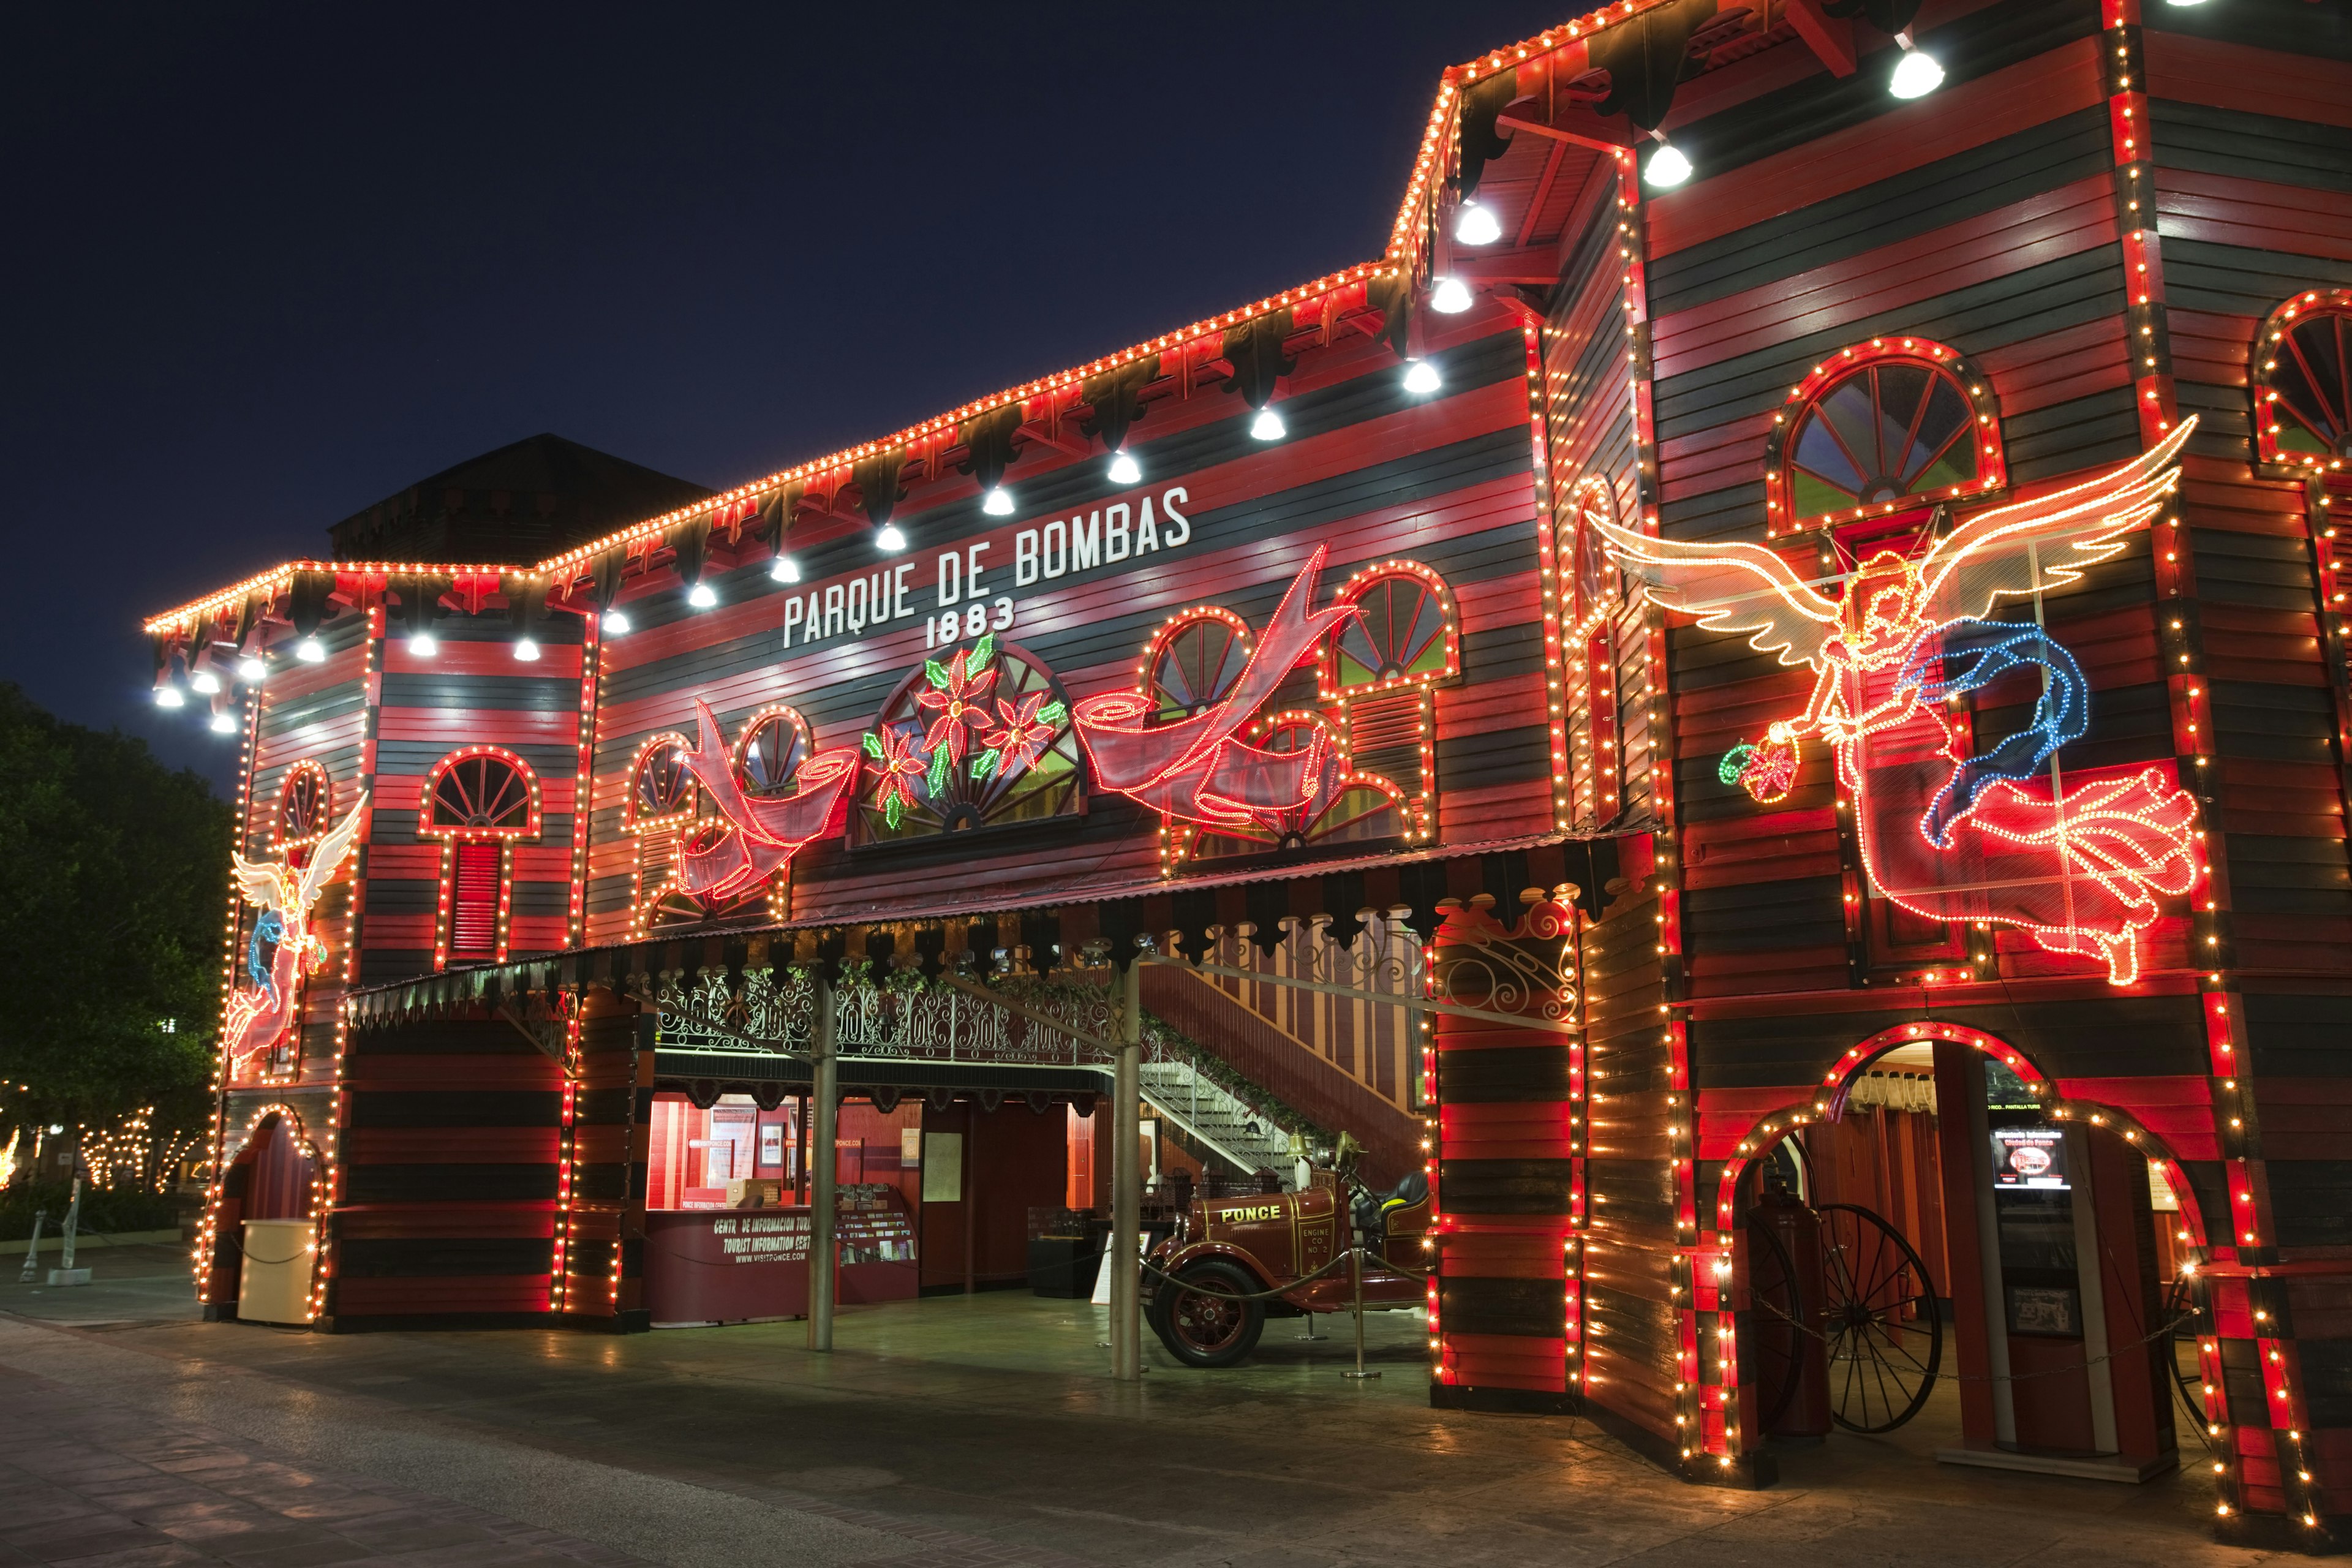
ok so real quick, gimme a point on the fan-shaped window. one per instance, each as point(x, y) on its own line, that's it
point(2303, 381)
point(306, 808)
point(770, 752)
point(979, 739)
point(661, 790)
point(1194, 660)
point(1376, 671)
point(1897, 421)
point(659, 813)
point(480, 793)
point(1349, 809)
point(1405, 632)
point(478, 802)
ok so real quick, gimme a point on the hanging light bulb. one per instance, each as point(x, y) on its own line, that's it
point(997, 502)
point(311, 650)
point(1420, 377)
point(1917, 74)
point(205, 681)
point(1268, 426)
point(1475, 224)
point(222, 724)
point(170, 696)
point(616, 622)
point(423, 646)
point(702, 595)
point(526, 651)
point(1667, 167)
point(1125, 469)
point(251, 670)
point(1449, 296)
point(784, 569)
point(890, 539)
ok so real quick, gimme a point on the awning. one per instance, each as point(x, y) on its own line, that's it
point(1417, 883)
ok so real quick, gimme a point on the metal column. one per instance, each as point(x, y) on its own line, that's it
point(1127, 1185)
point(825, 1167)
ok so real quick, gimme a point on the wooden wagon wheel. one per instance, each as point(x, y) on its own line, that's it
point(1881, 1319)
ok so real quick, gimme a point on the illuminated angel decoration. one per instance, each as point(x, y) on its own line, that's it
point(1998, 835)
point(1197, 768)
point(282, 949)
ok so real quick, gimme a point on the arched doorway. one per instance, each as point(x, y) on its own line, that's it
point(2005, 1275)
point(265, 1242)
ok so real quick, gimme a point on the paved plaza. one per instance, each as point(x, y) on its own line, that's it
point(946, 1432)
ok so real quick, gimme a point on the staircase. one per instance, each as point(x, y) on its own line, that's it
point(1322, 1099)
point(1219, 1121)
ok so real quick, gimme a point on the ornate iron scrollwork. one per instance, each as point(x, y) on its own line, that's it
point(1531, 973)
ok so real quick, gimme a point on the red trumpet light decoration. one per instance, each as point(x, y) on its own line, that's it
point(760, 836)
point(1197, 768)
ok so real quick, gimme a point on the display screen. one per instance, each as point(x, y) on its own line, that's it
point(2030, 1157)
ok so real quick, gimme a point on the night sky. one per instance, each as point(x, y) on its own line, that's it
point(265, 267)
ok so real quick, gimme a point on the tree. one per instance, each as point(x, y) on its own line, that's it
point(114, 877)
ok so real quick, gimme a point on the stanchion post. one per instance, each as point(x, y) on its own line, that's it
point(33, 1251)
point(1127, 1184)
point(73, 1225)
point(1356, 1282)
point(824, 1164)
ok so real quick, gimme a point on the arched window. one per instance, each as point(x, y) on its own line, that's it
point(478, 803)
point(1194, 660)
point(2303, 382)
point(1405, 631)
point(1880, 428)
point(1376, 672)
point(659, 812)
point(979, 739)
point(1594, 594)
point(306, 809)
point(768, 753)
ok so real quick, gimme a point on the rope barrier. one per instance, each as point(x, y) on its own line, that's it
point(1148, 1267)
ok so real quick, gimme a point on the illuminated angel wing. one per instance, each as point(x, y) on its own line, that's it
point(261, 882)
point(2049, 540)
point(328, 857)
point(1730, 587)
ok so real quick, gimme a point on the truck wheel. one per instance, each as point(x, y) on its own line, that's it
point(1209, 1331)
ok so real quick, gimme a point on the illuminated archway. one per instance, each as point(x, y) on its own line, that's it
point(1767, 1131)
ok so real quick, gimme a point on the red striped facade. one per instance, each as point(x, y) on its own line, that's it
point(2107, 221)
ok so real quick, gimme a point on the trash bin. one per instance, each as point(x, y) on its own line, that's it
point(274, 1284)
point(1065, 1252)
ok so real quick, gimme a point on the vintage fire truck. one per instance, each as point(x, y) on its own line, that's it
point(1233, 1262)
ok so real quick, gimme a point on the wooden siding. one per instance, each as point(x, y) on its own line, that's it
point(452, 1143)
point(1632, 1346)
point(1589, 436)
point(1367, 469)
point(472, 692)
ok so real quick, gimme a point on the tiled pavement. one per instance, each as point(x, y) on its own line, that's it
point(91, 1483)
point(943, 1434)
point(86, 1482)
